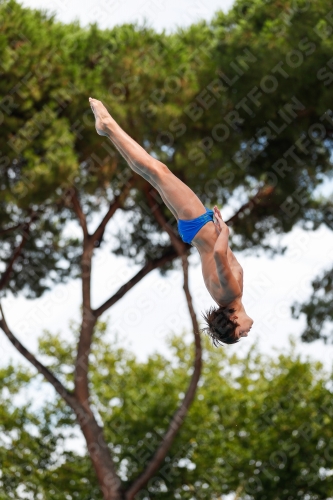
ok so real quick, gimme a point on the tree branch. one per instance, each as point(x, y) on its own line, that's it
point(61, 390)
point(88, 318)
point(179, 415)
point(150, 266)
point(17, 252)
point(79, 212)
point(87, 327)
point(6, 275)
point(88, 321)
point(10, 229)
point(238, 492)
point(262, 195)
point(93, 433)
point(176, 241)
point(117, 203)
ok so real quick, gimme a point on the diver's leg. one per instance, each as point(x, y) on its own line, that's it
point(179, 198)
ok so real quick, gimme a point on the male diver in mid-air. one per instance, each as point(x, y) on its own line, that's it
point(203, 228)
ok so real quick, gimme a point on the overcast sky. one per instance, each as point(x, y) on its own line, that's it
point(157, 305)
point(160, 14)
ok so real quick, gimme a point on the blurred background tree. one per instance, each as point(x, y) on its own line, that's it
point(260, 425)
point(236, 107)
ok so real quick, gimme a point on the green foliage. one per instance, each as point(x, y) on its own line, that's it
point(260, 424)
point(47, 258)
point(266, 36)
point(33, 429)
point(318, 309)
point(166, 92)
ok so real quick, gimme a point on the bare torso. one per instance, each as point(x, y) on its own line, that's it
point(204, 241)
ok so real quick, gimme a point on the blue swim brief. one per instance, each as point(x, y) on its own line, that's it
point(189, 228)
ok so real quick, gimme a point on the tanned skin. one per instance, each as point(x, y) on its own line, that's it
point(222, 273)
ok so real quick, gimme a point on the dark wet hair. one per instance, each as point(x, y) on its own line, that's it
point(220, 327)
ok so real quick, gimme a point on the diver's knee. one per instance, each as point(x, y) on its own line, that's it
point(159, 171)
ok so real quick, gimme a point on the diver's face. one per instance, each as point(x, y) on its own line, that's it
point(245, 325)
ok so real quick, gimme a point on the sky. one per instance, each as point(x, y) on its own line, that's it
point(159, 14)
point(156, 306)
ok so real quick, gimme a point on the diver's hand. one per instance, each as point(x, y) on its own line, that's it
point(222, 242)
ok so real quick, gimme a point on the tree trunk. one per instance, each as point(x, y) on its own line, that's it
point(98, 450)
point(100, 456)
point(180, 414)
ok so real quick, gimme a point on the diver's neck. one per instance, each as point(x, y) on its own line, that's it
point(237, 305)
